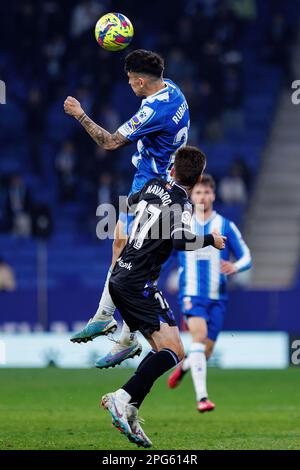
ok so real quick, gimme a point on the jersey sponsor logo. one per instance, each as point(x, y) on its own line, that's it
point(180, 112)
point(125, 265)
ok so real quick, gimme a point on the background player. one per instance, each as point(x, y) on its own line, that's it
point(202, 287)
point(160, 127)
point(163, 216)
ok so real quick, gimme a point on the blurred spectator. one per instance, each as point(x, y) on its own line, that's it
point(189, 89)
point(210, 107)
point(280, 38)
point(232, 189)
point(42, 222)
point(84, 95)
point(27, 19)
point(210, 66)
point(178, 67)
point(233, 95)
point(2, 204)
point(54, 52)
point(207, 7)
point(83, 16)
point(226, 26)
point(19, 207)
point(51, 18)
point(244, 172)
point(7, 277)
point(185, 38)
point(245, 9)
point(232, 89)
point(35, 117)
point(109, 118)
point(106, 190)
point(65, 166)
point(103, 161)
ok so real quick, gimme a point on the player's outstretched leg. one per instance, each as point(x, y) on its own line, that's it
point(103, 321)
point(175, 378)
point(127, 347)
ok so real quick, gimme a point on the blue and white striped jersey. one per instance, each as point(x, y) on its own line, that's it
point(159, 127)
point(200, 270)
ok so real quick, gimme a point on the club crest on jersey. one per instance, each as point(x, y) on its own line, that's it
point(187, 303)
point(186, 218)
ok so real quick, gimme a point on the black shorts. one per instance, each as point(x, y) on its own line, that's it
point(142, 310)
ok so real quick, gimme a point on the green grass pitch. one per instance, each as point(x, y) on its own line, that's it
point(58, 409)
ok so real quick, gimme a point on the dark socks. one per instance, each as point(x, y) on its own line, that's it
point(150, 369)
point(150, 354)
point(146, 358)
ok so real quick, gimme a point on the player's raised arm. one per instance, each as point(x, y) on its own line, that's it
point(102, 137)
point(185, 240)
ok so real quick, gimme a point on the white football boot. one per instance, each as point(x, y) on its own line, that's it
point(137, 435)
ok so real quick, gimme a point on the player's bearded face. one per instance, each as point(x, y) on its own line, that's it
point(203, 195)
point(136, 83)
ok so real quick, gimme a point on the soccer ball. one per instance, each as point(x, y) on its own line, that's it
point(114, 32)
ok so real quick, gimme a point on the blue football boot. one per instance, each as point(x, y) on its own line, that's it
point(94, 329)
point(118, 354)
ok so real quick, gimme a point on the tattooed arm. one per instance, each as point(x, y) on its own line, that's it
point(102, 137)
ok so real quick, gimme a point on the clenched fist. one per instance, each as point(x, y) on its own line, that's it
point(73, 107)
point(219, 240)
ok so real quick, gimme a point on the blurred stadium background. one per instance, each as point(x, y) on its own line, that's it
point(235, 61)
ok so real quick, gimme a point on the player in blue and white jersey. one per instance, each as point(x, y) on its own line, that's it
point(203, 287)
point(159, 127)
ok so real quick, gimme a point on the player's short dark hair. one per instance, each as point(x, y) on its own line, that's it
point(145, 62)
point(189, 165)
point(208, 180)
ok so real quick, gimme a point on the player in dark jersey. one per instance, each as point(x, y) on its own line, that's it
point(162, 222)
point(160, 127)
